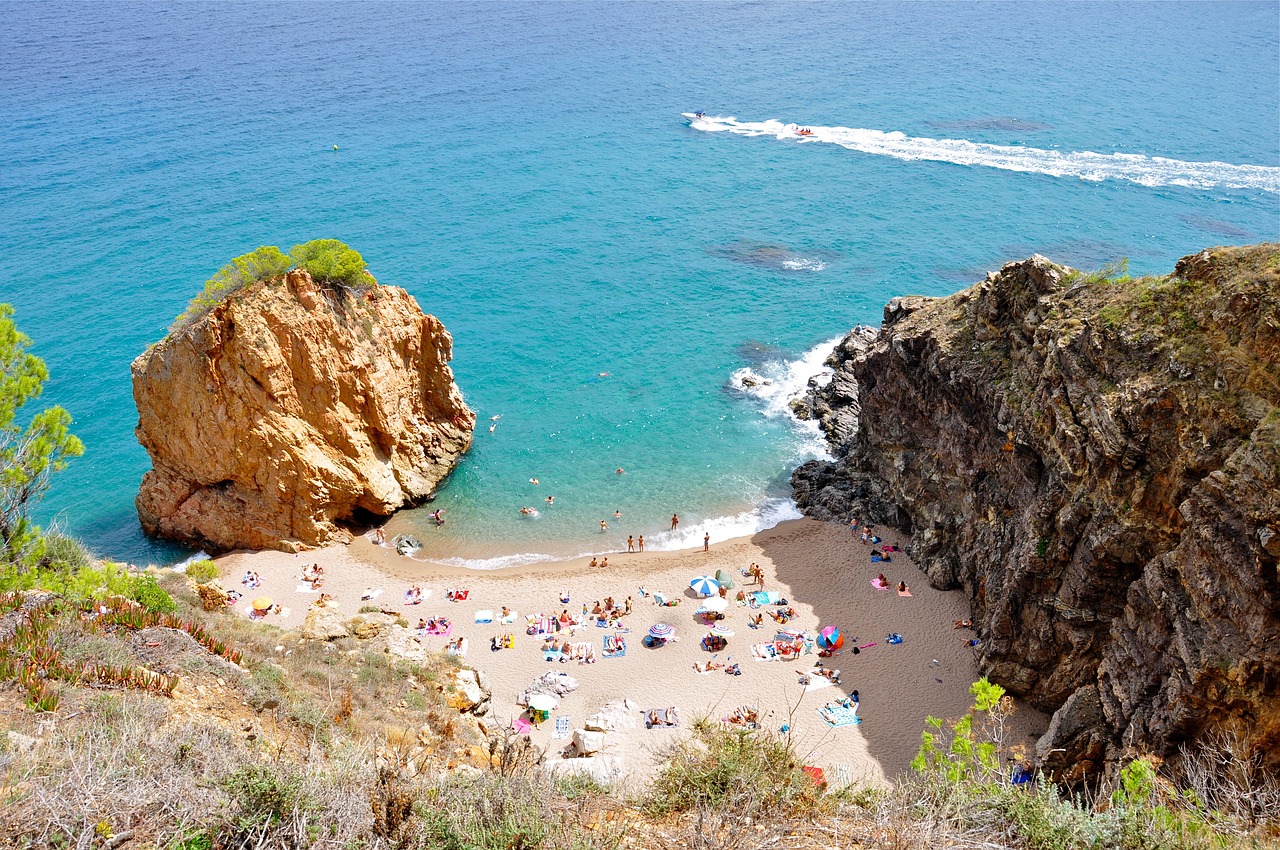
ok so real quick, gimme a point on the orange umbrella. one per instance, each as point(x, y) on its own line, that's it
point(262, 603)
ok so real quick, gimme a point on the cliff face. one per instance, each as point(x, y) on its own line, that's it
point(288, 409)
point(1097, 463)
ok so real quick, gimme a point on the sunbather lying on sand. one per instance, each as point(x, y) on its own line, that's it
point(707, 667)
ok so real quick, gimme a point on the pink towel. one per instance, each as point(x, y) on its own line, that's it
point(879, 586)
point(904, 593)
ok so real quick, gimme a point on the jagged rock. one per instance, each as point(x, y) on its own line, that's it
point(212, 596)
point(587, 743)
point(324, 622)
point(1097, 464)
point(370, 625)
point(469, 692)
point(288, 409)
point(611, 717)
point(604, 769)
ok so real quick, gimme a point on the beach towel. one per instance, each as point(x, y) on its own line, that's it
point(485, 616)
point(306, 588)
point(879, 586)
point(767, 597)
point(661, 717)
point(551, 655)
point(817, 683)
point(509, 619)
point(371, 595)
point(839, 715)
point(562, 729)
point(614, 647)
point(764, 652)
point(460, 595)
point(904, 592)
point(522, 726)
point(436, 631)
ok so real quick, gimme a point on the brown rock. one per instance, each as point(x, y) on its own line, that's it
point(1097, 464)
point(212, 596)
point(289, 408)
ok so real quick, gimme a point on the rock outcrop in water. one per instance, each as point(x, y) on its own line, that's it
point(1097, 464)
point(291, 408)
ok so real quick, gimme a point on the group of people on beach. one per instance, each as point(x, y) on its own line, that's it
point(314, 576)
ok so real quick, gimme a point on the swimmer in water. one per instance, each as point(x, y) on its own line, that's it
point(617, 514)
point(619, 471)
point(604, 526)
point(495, 418)
point(535, 482)
point(551, 500)
point(493, 427)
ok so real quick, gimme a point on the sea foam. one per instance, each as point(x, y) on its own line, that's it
point(1085, 165)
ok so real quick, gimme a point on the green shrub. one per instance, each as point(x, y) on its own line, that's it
point(332, 262)
point(733, 770)
point(262, 264)
point(264, 798)
point(150, 595)
point(202, 571)
point(63, 552)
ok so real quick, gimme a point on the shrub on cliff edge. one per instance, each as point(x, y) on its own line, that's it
point(332, 262)
point(261, 264)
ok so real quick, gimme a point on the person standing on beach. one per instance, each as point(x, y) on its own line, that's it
point(706, 542)
point(641, 542)
point(675, 520)
point(631, 543)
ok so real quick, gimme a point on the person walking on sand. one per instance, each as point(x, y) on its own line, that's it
point(641, 541)
point(631, 543)
point(706, 542)
point(675, 520)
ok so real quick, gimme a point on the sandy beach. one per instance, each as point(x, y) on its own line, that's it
point(822, 570)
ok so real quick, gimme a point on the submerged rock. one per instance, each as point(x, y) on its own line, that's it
point(1097, 464)
point(290, 409)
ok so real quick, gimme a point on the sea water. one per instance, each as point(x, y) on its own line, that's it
point(535, 175)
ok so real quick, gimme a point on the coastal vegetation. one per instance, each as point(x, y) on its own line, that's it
point(328, 261)
point(30, 453)
point(247, 737)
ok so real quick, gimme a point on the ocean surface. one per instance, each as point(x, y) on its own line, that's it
point(606, 262)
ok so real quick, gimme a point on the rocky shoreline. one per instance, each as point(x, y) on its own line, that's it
point(1096, 462)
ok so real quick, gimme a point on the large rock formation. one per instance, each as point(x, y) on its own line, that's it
point(290, 408)
point(1097, 463)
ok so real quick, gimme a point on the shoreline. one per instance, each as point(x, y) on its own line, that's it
point(821, 570)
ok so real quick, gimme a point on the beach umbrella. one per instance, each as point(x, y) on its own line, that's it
point(724, 579)
point(831, 638)
point(715, 605)
point(262, 603)
point(705, 586)
point(662, 631)
point(542, 702)
point(721, 630)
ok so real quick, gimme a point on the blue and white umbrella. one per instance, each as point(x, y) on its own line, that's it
point(705, 586)
point(662, 631)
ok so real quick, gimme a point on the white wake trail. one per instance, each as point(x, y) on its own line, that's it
point(1085, 165)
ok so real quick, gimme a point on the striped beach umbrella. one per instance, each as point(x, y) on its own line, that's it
point(705, 586)
point(662, 631)
point(721, 630)
point(830, 638)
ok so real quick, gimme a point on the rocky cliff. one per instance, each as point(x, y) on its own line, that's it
point(291, 408)
point(1096, 462)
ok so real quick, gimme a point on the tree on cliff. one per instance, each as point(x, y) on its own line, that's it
point(30, 455)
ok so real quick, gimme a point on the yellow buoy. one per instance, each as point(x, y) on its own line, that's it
point(335, 147)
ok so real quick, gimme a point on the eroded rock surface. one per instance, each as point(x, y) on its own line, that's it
point(291, 408)
point(1097, 464)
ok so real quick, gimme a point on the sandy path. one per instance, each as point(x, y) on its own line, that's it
point(820, 568)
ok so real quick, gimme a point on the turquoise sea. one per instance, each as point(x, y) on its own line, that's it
point(604, 262)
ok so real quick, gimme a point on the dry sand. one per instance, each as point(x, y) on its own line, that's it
point(823, 571)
